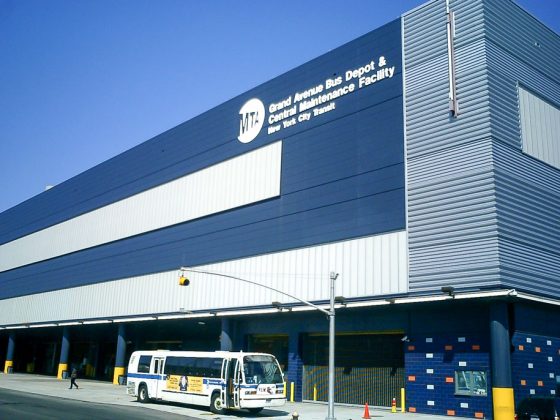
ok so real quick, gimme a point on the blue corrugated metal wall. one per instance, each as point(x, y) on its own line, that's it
point(342, 177)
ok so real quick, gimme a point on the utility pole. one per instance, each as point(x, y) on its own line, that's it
point(330, 412)
point(330, 314)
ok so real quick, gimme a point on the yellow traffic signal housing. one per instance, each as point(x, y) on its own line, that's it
point(183, 281)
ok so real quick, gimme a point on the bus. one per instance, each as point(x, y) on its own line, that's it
point(220, 380)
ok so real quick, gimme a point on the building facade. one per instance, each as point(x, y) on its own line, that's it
point(420, 162)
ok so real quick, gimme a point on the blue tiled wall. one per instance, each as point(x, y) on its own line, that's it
point(535, 364)
point(430, 365)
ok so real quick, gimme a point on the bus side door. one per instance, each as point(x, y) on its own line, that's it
point(224, 392)
point(237, 380)
point(231, 374)
point(159, 383)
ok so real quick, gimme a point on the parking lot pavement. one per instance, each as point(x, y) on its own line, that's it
point(107, 393)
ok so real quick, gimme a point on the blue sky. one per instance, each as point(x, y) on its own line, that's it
point(84, 80)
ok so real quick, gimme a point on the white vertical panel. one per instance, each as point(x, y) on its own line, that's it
point(540, 128)
point(385, 265)
point(245, 179)
point(403, 263)
point(353, 256)
point(368, 272)
point(316, 267)
point(377, 264)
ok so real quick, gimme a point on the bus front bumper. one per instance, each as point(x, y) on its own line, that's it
point(263, 402)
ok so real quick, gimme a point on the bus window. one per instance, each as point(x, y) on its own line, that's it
point(193, 366)
point(144, 364)
point(261, 369)
point(209, 367)
point(177, 365)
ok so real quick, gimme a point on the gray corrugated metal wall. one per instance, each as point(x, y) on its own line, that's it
point(480, 212)
point(451, 200)
point(527, 190)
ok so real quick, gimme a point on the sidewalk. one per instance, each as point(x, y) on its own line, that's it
point(107, 393)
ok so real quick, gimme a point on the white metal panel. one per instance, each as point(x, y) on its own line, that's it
point(540, 128)
point(245, 179)
point(367, 267)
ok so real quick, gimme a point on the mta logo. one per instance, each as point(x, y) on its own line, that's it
point(251, 120)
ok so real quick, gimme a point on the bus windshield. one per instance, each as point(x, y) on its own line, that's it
point(261, 369)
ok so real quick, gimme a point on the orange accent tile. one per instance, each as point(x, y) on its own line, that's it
point(540, 383)
point(450, 412)
point(521, 348)
point(449, 380)
point(523, 382)
point(476, 347)
point(448, 348)
point(411, 348)
point(538, 349)
point(412, 409)
point(412, 378)
point(479, 415)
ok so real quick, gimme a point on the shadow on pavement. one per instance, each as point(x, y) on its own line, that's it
point(266, 413)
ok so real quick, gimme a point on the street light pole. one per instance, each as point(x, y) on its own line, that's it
point(330, 313)
point(330, 412)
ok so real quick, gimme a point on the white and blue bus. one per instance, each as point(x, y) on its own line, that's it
point(219, 380)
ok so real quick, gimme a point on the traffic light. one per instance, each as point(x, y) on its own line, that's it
point(183, 281)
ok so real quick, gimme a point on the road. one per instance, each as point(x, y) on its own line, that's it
point(38, 397)
point(21, 405)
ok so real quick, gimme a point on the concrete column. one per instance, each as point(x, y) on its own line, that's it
point(121, 354)
point(502, 387)
point(64, 352)
point(295, 366)
point(10, 353)
point(225, 336)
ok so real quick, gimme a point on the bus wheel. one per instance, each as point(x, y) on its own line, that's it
point(143, 396)
point(216, 405)
point(255, 410)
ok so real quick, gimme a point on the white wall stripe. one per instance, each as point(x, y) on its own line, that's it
point(300, 272)
point(239, 181)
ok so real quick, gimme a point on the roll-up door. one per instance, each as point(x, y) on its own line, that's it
point(369, 368)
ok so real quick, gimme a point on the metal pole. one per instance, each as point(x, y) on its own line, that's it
point(330, 414)
point(330, 314)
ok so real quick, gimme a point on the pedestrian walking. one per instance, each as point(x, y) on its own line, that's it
point(73, 377)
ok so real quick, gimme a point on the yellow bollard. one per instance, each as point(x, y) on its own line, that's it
point(292, 386)
point(8, 366)
point(503, 403)
point(61, 368)
point(402, 401)
point(314, 392)
point(285, 389)
point(119, 371)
